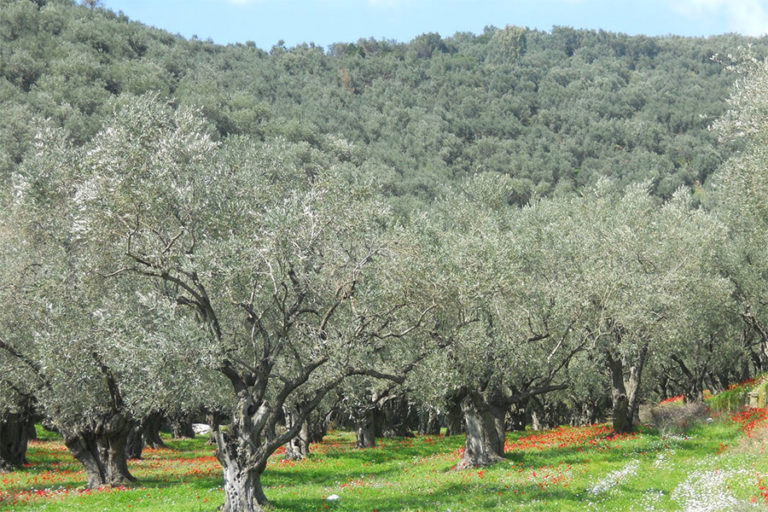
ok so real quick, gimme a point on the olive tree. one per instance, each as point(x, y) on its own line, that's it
point(280, 263)
point(740, 188)
point(505, 277)
point(648, 267)
point(16, 377)
point(74, 342)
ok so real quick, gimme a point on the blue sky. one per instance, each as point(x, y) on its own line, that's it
point(327, 21)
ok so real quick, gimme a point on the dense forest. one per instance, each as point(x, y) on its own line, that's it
point(476, 232)
point(552, 110)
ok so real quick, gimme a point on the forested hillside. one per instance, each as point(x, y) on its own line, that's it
point(553, 110)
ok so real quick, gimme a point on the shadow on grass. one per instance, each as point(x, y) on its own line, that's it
point(462, 495)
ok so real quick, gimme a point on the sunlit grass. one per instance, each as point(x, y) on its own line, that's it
point(569, 468)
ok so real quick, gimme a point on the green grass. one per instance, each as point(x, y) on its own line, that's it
point(558, 470)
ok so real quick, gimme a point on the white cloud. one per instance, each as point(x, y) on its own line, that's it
point(743, 16)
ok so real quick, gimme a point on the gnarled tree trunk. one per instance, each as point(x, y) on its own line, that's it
point(365, 429)
point(85, 448)
point(395, 413)
point(100, 446)
point(150, 430)
point(485, 411)
point(243, 458)
point(181, 427)
point(245, 446)
point(242, 489)
point(298, 447)
point(484, 424)
point(625, 391)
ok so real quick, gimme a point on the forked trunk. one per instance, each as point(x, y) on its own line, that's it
point(103, 463)
point(625, 392)
point(243, 491)
point(239, 450)
point(14, 434)
point(484, 423)
point(85, 448)
point(101, 449)
point(298, 447)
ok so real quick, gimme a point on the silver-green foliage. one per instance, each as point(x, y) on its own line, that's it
point(741, 187)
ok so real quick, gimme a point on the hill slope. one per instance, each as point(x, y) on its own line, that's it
point(552, 110)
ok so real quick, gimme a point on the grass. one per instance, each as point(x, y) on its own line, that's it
point(710, 468)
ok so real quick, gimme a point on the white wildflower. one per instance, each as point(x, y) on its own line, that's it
point(612, 479)
point(706, 491)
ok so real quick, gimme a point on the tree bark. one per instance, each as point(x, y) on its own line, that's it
point(395, 413)
point(365, 431)
point(100, 447)
point(214, 421)
point(298, 447)
point(14, 435)
point(366, 428)
point(134, 443)
point(625, 392)
point(150, 430)
point(31, 432)
point(454, 419)
point(243, 458)
point(536, 424)
point(516, 417)
point(85, 448)
point(454, 425)
point(484, 422)
point(318, 426)
point(113, 450)
point(242, 489)
point(622, 421)
point(429, 422)
point(181, 427)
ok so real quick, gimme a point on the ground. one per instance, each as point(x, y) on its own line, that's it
point(713, 466)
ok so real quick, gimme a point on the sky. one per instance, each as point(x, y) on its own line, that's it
point(324, 22)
